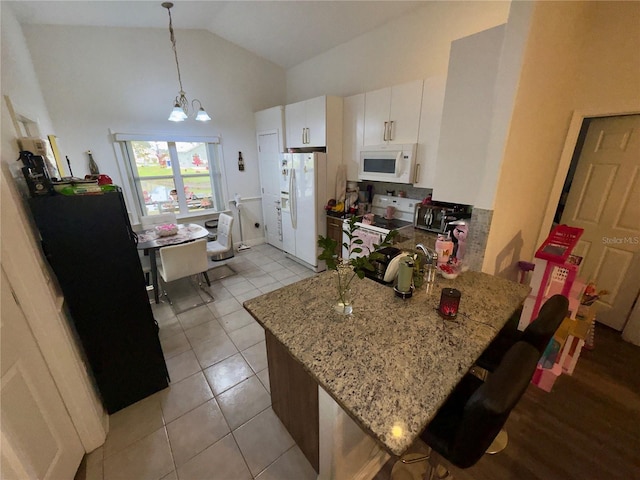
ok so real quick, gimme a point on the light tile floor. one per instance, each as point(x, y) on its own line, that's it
point(215, 420)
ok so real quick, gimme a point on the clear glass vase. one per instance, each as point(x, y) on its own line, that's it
point(344, 276)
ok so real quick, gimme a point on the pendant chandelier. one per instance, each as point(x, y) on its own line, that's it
point(180, 110)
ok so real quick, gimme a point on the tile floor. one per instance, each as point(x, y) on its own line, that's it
point(215, 420)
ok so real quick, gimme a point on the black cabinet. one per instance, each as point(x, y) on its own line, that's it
point(89, 243)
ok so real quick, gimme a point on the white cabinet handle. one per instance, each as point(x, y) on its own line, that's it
point(303, 132)
point(391, 130)
point(386, 128)
point(415, 178)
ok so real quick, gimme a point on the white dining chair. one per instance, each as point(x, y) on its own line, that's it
point(223, 244)
point(150, 221)
point(184, 260)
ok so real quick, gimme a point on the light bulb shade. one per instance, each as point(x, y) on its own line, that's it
point(177, 114)
point(202, 116)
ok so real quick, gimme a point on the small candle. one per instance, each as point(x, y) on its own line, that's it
point(449, 303)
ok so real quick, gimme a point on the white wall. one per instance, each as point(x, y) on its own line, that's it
point(409, 48)
point(20, 83)
point(25, 266)
point(124, 79)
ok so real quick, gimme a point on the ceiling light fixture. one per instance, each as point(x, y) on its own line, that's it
point(180, 110)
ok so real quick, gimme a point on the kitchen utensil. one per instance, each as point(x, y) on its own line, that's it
point(391, 193)
point(390, 212)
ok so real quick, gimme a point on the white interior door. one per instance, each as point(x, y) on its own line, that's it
point(269, 158)
point(605, 200)
point(38, 437)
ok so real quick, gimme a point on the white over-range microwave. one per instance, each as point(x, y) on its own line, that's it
point(387, 163)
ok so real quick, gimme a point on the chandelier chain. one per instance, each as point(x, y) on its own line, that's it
point(181, 111)
point(175, 50)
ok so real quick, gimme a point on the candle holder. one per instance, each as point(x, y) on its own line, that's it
point(449, 303)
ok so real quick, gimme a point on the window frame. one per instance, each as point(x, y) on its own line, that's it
point(217, 176)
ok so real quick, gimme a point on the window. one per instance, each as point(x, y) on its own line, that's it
point(175, 176)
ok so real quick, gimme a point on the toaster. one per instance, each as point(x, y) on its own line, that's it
point(435, 218)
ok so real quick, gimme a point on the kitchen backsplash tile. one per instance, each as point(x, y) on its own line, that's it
point(478, 234)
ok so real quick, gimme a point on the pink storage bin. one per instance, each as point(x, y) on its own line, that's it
point(544, 378)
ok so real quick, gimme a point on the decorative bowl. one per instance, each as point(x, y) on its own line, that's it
point(449, 276)
point(166, 230)
point(449, 271)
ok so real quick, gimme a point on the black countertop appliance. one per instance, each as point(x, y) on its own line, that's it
point(382, 264)
point(36, 174)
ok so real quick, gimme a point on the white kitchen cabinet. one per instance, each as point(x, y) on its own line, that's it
point(307, 121)
point(392, 115)
point(467, 116)
point(353, 134)
point(296, 121)
point(429, 133)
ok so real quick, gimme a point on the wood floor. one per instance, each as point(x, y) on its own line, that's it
point(587, 428)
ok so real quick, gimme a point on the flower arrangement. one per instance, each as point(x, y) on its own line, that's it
point(591, 294)
point(166, 230)
point(350, 267)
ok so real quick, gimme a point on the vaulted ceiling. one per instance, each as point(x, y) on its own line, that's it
point(284, 32)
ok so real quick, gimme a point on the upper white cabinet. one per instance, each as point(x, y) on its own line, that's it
point(353, 138)
point(429, 134)
point(392, 115)
point(296, 122)
point(467, 115)
point(307, 121)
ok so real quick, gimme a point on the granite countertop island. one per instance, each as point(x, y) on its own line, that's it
point(393, 362)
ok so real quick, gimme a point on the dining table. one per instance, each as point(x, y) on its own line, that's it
point(151, 241)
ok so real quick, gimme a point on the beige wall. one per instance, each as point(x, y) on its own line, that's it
point(580, 56)
point(411, 47)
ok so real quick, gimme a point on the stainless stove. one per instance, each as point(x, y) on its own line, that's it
point(402, 217)
point(389, 223)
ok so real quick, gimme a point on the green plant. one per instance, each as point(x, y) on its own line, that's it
point(359, 264)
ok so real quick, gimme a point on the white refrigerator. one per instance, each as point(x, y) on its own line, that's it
point(303, 188)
